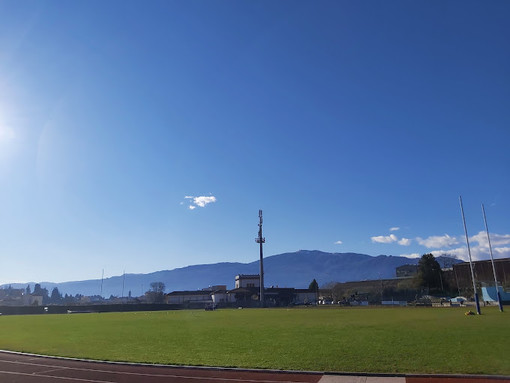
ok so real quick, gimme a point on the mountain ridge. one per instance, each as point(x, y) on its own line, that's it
point(294, 269)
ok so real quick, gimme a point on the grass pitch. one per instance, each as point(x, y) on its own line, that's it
point(391, 340)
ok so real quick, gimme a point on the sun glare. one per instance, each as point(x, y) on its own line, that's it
point(7, 139)
point(6, 133)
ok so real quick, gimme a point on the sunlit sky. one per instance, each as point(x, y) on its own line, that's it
point(139, 136)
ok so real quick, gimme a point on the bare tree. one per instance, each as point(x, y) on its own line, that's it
point(157, 293)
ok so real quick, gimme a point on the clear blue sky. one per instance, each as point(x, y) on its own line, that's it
point(354, 125)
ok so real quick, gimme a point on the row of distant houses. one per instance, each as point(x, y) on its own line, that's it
point(19, 297)
point(245, 293)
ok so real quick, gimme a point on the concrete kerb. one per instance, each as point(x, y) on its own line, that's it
point(336, 377)
point(360, 379)
point(460, 376)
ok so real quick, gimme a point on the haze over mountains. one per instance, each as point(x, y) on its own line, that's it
point(295, 269)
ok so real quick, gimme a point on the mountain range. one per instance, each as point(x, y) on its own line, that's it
point(295, 269)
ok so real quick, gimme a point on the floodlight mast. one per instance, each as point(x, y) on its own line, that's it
point(123, 281)
point(477, 302)
point(260, 240)
point(102, 278)
point(492, 259)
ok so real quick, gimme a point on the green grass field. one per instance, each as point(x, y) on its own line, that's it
point(393, 340)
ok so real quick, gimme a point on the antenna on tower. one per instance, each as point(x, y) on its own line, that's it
point(260, 240)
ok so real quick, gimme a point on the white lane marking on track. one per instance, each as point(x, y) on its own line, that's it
point(143, 374)
point(48, 371)
point(55, 377)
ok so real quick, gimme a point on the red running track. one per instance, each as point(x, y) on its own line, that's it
point(23, 368)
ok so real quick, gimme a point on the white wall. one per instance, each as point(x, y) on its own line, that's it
point(186, 298)
point(244, 282)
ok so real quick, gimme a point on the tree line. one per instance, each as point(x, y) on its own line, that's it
point(430, 279)
point(55, 297)
point(156, 294)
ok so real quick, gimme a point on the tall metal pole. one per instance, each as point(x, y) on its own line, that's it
point(260, 240)
point(492, 259)
point(123, 280)
point(102, 278)
point(477, 302)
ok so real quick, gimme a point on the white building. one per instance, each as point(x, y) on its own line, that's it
point(246, 292)
point(247, 281)
point(223, 296)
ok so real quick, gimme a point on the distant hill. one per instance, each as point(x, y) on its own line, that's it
point(296, 269)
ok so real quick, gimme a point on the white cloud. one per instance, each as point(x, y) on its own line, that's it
point(480, 246)
point(385, 238)
point(496, 239)
point(477, 253)
point(338, 242)
point(501, 252)
point(405, 241)
point(413, 255)
point(437, 241)
point(460, 253)
point(200, 201)
point(391, 238)
point(442, 245)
